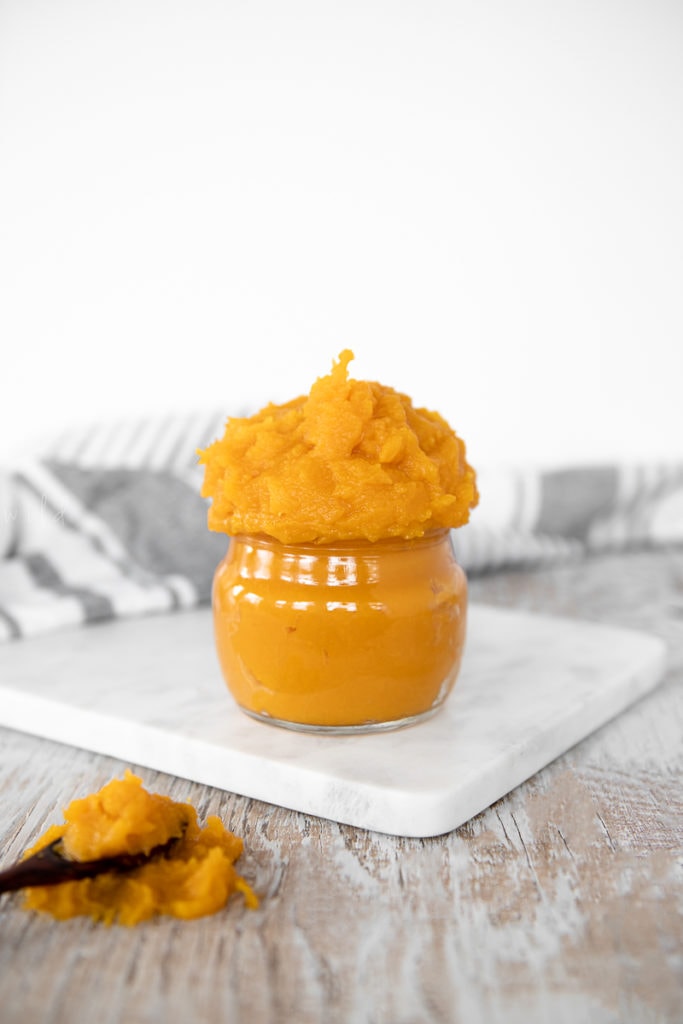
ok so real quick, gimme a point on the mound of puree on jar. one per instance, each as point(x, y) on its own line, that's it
point(195, 877)
point(351, 460)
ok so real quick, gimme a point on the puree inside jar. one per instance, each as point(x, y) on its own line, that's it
point(351, 460)
point(343, 635)
point(195, 877)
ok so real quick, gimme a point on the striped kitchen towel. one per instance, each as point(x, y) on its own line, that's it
point(108, 522)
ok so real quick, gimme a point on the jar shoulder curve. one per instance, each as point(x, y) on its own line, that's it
point(257, 562)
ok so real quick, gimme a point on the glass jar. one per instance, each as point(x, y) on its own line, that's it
point(351, 636)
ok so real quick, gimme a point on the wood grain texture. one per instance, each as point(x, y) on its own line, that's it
point(562, 902)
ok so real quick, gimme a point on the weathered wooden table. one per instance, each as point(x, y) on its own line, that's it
point(562, 902)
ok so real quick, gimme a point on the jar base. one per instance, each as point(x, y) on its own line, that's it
point(342, 730)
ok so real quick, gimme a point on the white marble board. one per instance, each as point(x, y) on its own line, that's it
point(149, 691)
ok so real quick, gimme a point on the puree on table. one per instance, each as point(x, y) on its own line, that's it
point(196, 877)
point(351, 460)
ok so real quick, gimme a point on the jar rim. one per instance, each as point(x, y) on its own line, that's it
point(264, 540)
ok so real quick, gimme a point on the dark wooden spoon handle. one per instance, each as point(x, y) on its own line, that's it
point(49, 867)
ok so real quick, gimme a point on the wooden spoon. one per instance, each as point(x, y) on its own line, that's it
point(50, 866)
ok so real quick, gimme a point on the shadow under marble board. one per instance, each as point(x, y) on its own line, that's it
point(149, 691)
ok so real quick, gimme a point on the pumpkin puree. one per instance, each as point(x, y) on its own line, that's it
point(340, 635)
point(339, 603)
point(351, 460)
point(195, 877)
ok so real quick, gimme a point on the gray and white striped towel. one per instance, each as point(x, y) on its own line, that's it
point(108, 522)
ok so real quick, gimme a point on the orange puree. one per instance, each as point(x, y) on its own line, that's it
point(196, 877)
point(341, 635)
point(353, 459)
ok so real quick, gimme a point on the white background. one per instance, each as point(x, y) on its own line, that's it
point(202, 203)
